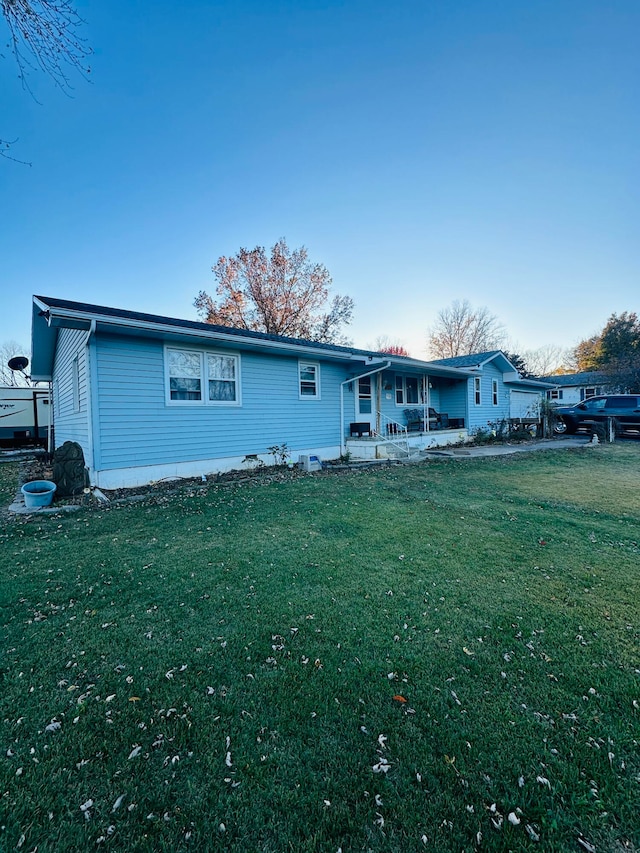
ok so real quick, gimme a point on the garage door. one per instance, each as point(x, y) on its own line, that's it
point(524, 404)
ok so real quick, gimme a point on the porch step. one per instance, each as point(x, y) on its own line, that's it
point(394, 451)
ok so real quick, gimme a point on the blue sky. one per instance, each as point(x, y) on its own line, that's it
point(423, 151)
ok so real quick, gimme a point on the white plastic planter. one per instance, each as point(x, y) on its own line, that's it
point(38, 493)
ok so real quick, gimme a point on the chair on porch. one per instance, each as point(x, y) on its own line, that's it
point(415, 419)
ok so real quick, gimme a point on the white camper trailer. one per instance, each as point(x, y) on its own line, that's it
point(24, 416)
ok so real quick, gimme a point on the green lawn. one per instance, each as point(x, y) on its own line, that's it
point(439, 657)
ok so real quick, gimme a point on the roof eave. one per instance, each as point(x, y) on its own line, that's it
point(48, 318)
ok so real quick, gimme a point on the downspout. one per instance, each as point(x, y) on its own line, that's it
point(90, 397)
point(50, 419)
point(385, 366)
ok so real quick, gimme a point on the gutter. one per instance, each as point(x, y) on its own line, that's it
point(385, 366)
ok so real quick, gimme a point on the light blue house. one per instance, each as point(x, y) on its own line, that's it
point(497, 392)
point(151, 397)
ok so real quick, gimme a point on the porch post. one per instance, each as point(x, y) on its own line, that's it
point(426, 397)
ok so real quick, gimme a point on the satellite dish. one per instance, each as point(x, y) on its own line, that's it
point(18, 362)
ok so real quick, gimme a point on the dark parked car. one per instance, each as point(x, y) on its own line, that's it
point(624, 409)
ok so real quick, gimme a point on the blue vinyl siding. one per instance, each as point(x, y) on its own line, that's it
point(71, 422)
point(137, 427)
point(446, 396)
point(453, 399)
point(486, 413)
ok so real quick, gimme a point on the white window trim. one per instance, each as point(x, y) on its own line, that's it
point(477, 391)
point(495, 397)
point(204, 378)
point(403, 380)
point(316, 365)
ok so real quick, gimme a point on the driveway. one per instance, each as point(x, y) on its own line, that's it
point(506, 449)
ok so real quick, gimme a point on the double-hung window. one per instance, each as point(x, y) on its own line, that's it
point(185, 375)
point(399, 391)
point(477, 395)
point(221, 378)
point(494, 392)
point(407, 390)
point(309, 380)
point(194, 376)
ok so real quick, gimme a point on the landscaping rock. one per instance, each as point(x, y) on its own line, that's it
point(69, 471)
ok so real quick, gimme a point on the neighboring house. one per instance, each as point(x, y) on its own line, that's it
point(497, 392)
point(150, 397)
point(571, 388)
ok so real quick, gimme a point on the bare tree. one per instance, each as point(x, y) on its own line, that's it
point(389, 346)
point(12, 378)
point(281, 294)
point(44, 35)
point(461, 329)
point(547, 360)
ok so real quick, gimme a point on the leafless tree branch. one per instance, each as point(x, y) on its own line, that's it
point(44, 34)
point(282, 293)
point(461, 329)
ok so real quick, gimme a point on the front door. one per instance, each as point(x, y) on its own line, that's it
point(364, 404)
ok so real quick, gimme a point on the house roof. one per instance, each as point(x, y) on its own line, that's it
point(475, 359)
point(50, 314)
point(570, 380)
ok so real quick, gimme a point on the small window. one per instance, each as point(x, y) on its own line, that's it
point(309, 375)
point(399, 391)
point(555, 394)
point(365, 396)
point(494, 392)
point(476, 391)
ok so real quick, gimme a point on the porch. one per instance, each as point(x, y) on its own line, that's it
point(394, 440)
point(399, 413)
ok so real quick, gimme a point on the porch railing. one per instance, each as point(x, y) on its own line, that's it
point(393, 432)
